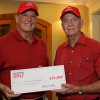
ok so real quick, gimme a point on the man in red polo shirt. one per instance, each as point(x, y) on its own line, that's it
point(21, 49)
point(80, 56)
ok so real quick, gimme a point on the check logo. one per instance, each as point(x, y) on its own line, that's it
point(18, 75)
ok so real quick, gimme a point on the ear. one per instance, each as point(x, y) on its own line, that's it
point(62, 27)
point(81, 24)
point(16, 18)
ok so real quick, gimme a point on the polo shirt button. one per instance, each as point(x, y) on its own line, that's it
point(70, 73)
point(72, 51)
point(71, 62)
point(68, 97)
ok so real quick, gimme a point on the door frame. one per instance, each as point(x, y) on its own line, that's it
point(49, 36)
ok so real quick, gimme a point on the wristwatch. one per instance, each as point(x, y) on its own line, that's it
point(80, 91)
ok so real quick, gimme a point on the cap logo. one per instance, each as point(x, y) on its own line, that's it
point(29, 4)
point(69, 8)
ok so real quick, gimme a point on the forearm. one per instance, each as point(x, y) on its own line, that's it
point(91, 88)
point(86, 89)
point(1, 86)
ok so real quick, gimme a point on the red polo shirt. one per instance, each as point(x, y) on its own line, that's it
point(82, 65)
point(17, 53)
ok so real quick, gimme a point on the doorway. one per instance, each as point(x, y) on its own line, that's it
point(95, 26)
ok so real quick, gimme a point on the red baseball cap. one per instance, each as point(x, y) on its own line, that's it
point(71, 9)
point(27, 5)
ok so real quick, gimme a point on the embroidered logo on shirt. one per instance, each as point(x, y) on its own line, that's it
point(86, 59)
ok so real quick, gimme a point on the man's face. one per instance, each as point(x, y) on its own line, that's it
point(26, 21)
point(71, 24)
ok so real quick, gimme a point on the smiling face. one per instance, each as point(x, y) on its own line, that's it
point(26, 21)
point(72, 24)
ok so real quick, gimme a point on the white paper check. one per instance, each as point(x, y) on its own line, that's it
point(37, 79)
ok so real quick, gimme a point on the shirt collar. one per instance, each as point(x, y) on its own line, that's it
point(82, 40)
point(19, 37)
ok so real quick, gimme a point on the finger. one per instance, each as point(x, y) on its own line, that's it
point(65, 85)
point(9, 91)
point(59, 90)
point(10, 96)
point(40, 66)
point(56, 90)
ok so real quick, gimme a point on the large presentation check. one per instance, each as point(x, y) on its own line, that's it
point(37, 79)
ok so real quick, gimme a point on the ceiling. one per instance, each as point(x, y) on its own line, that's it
point(51, 1)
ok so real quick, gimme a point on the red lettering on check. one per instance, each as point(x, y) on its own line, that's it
point(55, 77)
point(18, 75)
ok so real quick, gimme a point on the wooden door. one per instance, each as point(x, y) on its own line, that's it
point(40, 31)
point(6, 26)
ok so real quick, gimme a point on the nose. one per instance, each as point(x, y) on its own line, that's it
point(70, 23)
point(29, 18)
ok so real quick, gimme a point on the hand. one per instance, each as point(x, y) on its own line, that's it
point(67, 89)
point(39, 66)
point(8, 93)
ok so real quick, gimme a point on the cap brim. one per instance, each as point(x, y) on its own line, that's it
point(70, 12)
point(25, 9)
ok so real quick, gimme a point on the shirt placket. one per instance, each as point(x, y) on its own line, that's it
point(70, 68)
